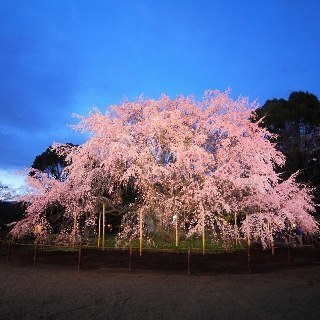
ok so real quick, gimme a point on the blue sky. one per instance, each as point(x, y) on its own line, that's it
point(61, 57)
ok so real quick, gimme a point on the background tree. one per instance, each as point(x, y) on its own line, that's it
point(296, 121)
point(51, 164)
point(53, 161)
point(10, 210)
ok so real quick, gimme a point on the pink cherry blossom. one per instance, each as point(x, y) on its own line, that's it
point(190, 163)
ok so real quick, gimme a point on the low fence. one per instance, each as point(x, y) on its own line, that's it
point(187, 260)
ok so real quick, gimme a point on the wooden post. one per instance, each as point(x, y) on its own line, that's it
point(271, 238)
point(249, 258)
point(130, 258)
point(79, 256)
point(249, 248)
point(103, 224)
point(99, 229)
point(272, 247)
point(177, 230)
point(289, 256)
point(176, 215)
point(235, 229)
point(74, 230)
point(140, 220)
point(35, 254)
point(9, 251)
point(189, 253)
point(203, 236)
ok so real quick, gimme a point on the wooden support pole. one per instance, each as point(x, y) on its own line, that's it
point(235, 229)
point(74, 230)
point(130, 258)
point(80, 255)
point(35, 254)
point(99, 229)
point(271, 237)
point(140, 229)
point(189, 256)
point(176, 218)
point(177, 230)
point(249, 249)
point(103, 225)
point(9, 251)
point(203, 236)
point(249, 259)
point(289, 256)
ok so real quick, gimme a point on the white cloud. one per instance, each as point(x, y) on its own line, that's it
point(14, 179)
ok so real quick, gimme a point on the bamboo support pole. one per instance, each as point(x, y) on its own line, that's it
point(140, 229)
point(177, 230)
point(176, 218)
point(289, 256)
point(130, 258)
point(235, 229)
point(271, 238)
point(9, 251)
point(99, 229)
point(203, 236)
point(80, 256)
point(103, 225)
point(249, 258)
point(249, 249)
point(35, 254)
point(74, 230)
point(189, 256)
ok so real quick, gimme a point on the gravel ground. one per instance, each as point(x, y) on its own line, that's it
point(53, 292)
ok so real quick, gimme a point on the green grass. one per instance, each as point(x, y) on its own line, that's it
point(155, 243)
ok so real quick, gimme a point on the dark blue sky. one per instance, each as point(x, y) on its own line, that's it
point(61, 57)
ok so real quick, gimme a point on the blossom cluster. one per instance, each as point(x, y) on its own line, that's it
point(192, 164)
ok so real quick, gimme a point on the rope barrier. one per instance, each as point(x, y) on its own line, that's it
point(145, 249)
point(80, 247)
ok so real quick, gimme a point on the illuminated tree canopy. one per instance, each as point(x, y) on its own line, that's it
point(196, 165)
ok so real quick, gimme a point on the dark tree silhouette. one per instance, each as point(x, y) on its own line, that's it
point(52, 162)
point(296, 121)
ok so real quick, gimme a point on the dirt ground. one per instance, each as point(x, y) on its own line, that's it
point(159, 286)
